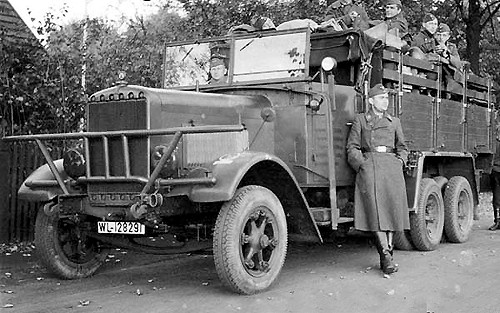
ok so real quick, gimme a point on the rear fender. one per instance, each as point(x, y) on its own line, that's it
point(42, 194)
point(445, 164)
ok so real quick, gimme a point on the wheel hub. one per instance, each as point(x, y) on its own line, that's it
point(258, 242)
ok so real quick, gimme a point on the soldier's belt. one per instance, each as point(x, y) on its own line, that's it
point(380, 149)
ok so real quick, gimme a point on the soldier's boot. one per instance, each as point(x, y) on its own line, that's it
point(390, 244)
point(496, 216)
point(386, 263)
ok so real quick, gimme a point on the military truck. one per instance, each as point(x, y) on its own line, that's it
point(248, 165)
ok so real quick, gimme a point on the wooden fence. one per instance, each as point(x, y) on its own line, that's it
point(17, 217)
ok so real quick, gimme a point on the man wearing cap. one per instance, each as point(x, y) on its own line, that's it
point(424, 41)
point(396, 22)
point(446, 49)
point(376, 150)
point(218, 71)
point(347, 14)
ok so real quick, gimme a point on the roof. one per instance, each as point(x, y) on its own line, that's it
point(12, 27)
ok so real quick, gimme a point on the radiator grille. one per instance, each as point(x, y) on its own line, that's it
point(119, 115)
point(200, 149)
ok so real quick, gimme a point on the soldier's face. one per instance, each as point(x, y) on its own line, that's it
point(380, 103)
point(392, 10)
point(431, 26)
point(218, 71)
point(442, 38)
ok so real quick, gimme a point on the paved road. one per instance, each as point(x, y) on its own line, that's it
point(334, 277)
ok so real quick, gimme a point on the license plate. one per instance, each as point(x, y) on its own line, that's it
point(121, 228)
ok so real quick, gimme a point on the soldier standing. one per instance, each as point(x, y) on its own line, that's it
point(377, 152)
point(495, 183)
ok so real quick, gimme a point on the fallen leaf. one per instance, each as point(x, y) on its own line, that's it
point(391, 292)
point(84, 303)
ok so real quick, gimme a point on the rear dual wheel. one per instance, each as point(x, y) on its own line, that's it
point(250, 240)
point(451, 211)
point(459, 209)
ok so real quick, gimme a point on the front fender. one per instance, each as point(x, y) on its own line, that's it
point(42, 194)
point(228, 171)
point(258, 168)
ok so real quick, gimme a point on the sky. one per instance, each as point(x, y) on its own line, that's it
point(112, 10)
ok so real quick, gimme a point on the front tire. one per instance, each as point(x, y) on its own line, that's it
point(250, 240)
point(64, 248)
point(426, 225)
point(459, 208)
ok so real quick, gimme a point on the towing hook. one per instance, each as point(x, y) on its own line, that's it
point(51, 208)
point(138, 210)
point(154, 200)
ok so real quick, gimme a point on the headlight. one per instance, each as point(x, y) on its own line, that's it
point(171, 166)
point(328, 64)
point(74, 163)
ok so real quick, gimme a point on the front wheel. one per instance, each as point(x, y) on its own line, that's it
point(250, 240)
point(64, 248)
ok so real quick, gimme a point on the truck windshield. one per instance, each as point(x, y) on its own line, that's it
point(235, 59)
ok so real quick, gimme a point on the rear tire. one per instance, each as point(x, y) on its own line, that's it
point(426, 224)
point(458, 209)
point(64, 248)
point(250, 240)
point(402, 240)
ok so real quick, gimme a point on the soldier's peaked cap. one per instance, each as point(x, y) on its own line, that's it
point(376, 90)
point(443, 28)
point(398, 2)
point(217, 60)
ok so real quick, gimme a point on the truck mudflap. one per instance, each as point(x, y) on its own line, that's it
point(236, 170)
point(41, 185)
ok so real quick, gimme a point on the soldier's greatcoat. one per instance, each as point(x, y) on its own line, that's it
point(425, 41)
point(380, 194)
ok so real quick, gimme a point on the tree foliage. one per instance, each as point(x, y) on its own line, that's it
point(42, 88)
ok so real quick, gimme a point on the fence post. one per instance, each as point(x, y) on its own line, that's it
point(4, 191)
